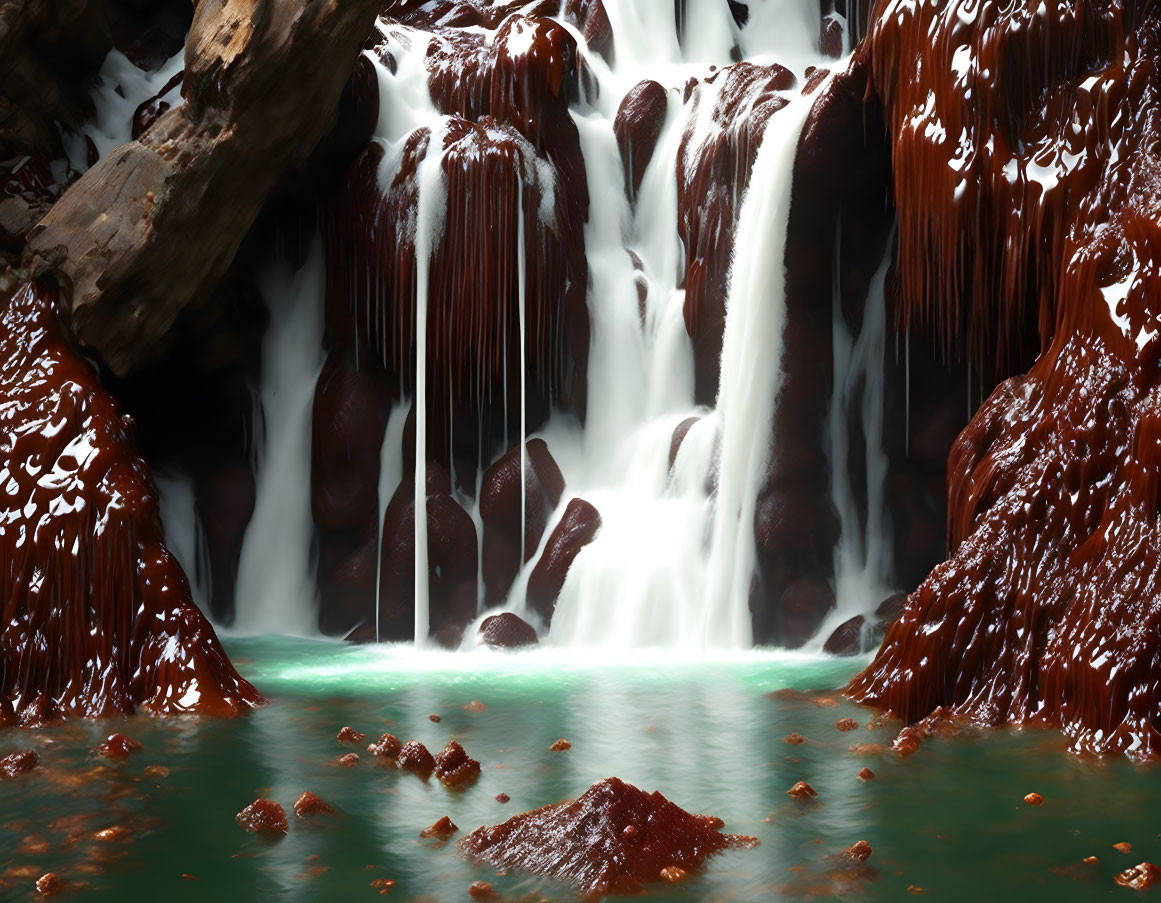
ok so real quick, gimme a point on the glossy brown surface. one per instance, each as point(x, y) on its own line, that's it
point(507, 631)
point(454, 767)
point(415, 757)
point(1027, 195)
point(263, 817)
point(118, 746)
point(98, 617)
point(309, 804)
point(613, 839)
point(15, 764)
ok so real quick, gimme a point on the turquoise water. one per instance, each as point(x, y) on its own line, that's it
point(949, 820)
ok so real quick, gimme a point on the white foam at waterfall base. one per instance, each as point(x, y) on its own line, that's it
point(276, 587)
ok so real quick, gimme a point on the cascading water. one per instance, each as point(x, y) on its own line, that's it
point(674, 559)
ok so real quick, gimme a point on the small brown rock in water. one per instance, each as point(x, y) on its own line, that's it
point(560, 745)
point(613, 840)
point(348, 760)
point(442, 829)
point(383, 884)
point(1139, 876)
point(350, 735)
point(117, 746)
point(673, 874)
point(1034, 799)
point(794, 739)
point(1091, 860)
point(454, 767)
point(482, 890)
point(415, 757)
point(475, 706)
point(502, 798)
point(846, 724)
point(434, 718)
point(18, 763)
point(858, 852)
point(1123, 846)
point(49, 884)
point(802, 791)
point(186, 876)
point(309, 804)
point(263, 817)
point(387, 747)
point(108, 835)
point(865, 774)
point(156, 771)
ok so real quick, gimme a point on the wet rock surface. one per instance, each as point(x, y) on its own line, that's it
point(507, 631)
point(309, 804)
point(575, 530)
point(1055, 475)
point(584, 843)
point(263, 817)
point(454, 767)
point(130, 634)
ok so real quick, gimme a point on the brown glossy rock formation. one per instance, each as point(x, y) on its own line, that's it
point(507, 631)
point(712, 175)
point(443, 829)
point(81, 506)
point(575, 530)
point(154, 226)
point(846, 639)
point(454, 767)
point(1139, 877)
point(49, 884)
point(857, 852)
point(637, 127)
point(309, 804)
point(561, 745)
point(507, 485)
point(509, 140)
point(263, 817)
point(583, 842)
point(15, 764)
point(1046, 611)
point(118, 746)
point(802, 791)
point(451, 555)
point(415, 757)
point(349, 735)
point(386, 747)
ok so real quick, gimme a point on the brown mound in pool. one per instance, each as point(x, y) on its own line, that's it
point(615, 839)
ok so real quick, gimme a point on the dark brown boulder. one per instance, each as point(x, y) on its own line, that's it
point(507, 631)
point(846, 639)
point(452, 555)
point(637, 127)
point(507, 484)
point(575, 530)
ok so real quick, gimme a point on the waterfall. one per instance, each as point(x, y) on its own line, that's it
point(673, 561)
point(276, 580)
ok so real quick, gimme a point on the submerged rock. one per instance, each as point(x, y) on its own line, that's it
point(846, 638)
point(1139, 877)
point(614, 839)
point(118, 746)
point(18, 763)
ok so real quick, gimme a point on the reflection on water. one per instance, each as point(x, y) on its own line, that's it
point(949, 819)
